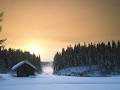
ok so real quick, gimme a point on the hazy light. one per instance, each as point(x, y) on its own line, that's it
point(47, 70)
point(45, 26)
point(33, 48)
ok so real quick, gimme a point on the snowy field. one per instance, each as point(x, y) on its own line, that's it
point(51, 82)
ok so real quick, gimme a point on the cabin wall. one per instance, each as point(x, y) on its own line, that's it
point(25, 70)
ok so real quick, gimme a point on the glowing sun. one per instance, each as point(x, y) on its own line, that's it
point(33, 48)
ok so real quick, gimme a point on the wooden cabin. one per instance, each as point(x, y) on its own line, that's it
point(24, 69)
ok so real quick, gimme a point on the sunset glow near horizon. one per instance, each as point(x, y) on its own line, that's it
point(46, 26)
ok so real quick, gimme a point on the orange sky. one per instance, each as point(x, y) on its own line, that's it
point(49, 25)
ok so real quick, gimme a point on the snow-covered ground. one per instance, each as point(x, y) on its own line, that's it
point(80, 71)
point(70, 70)
point(52, 82)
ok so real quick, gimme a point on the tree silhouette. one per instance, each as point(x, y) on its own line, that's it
point(1, 40)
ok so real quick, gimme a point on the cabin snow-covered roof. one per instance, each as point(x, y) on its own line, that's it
point(21, 63)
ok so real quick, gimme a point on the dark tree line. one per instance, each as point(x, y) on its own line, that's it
point(10, 57)
point(105, 56)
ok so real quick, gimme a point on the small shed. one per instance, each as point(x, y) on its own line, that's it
point(24, 69)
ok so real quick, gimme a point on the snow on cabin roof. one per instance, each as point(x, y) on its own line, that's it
point(21, 63)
